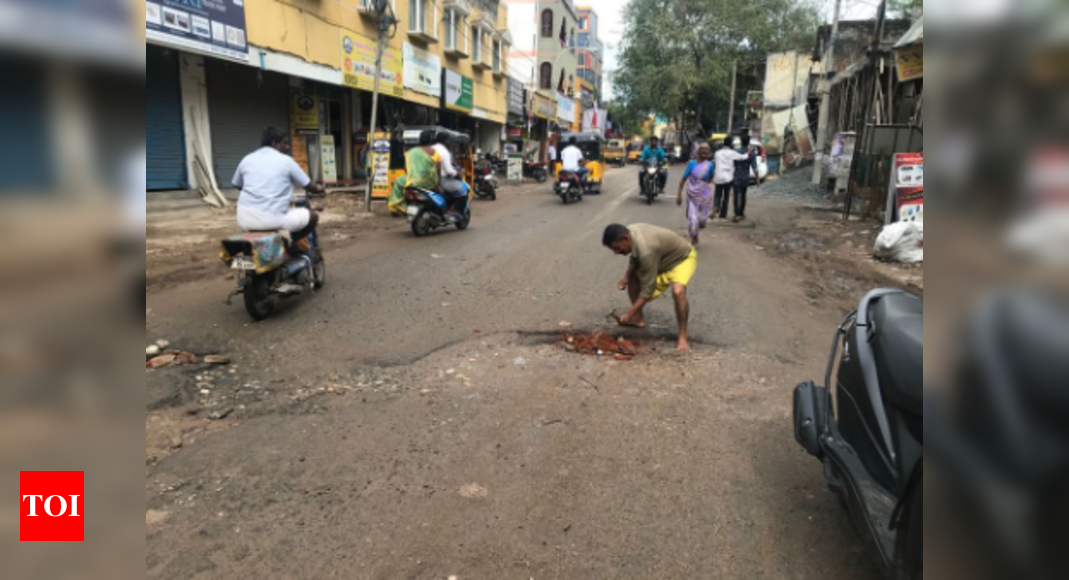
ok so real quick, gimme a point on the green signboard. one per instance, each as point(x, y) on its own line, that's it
point(459, 92)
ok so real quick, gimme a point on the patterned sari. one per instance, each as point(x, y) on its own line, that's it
point(699, 195)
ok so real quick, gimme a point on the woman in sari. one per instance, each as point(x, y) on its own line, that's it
point(421, 170)
point(696, 179)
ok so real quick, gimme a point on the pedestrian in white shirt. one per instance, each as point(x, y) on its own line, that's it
point(724, 175)
point(266, 178)
point(552, 154)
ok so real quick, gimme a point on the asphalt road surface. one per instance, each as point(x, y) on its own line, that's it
point(416, 418)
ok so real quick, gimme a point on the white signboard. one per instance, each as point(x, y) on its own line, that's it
point(565, 110)
point(422, 71)
point(330, 164)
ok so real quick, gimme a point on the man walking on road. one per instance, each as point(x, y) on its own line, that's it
point(660, 260)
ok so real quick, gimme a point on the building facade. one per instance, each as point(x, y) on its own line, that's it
point(218, 73)
point(543, 60)
point(590, 57)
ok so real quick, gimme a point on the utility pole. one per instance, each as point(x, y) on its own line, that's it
point(731, 105)
point(825, 99)
point(383, 26)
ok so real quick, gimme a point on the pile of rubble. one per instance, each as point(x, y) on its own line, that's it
point(600, 344)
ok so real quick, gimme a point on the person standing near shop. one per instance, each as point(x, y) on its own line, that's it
point(552, 154)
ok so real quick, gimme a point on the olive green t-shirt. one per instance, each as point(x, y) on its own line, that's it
point(655, 251)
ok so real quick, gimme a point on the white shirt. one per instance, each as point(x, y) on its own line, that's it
point(552, 153)
point(448, 171)
point(570, 158)
point(266, 178)
point(725, 165)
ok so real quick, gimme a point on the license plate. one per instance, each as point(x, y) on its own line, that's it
point(412, 211)
point(243, 263)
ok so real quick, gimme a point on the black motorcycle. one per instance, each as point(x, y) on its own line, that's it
point(871, 442)
point(485, 184)
point(651, 172)
point(427, 211)
point(271, 269)
point(570, 187)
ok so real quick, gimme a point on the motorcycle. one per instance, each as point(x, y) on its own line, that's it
point(569, 186)
point(485, 184)
point(871, 443)
point(650, 186)
point(537, 170)
point(270, 269)
point(427, 211)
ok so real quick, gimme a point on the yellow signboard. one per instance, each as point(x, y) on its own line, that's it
point(910, 62)
point(380, 166)
point(304, 114)
point(358, 65)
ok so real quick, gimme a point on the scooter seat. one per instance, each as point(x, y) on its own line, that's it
point(899, 347)
point(1031, 330)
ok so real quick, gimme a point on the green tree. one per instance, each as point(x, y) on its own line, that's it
point(676, 57)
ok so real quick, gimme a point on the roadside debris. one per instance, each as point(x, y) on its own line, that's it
point(216, 359)
point(171, 358)
point(901, 242)
point(600, 344)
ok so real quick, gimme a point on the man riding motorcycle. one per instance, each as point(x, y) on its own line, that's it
point(572, 160)
point(266, 178)
point(454, 188)
point(653, 153)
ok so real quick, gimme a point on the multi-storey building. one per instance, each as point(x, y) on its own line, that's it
point(590, 57)
point(219, 72)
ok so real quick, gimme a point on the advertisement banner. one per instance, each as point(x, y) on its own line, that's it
point(380, 166)
point(544, 107)
point(304, 114)
point(215, 27)
point(459, 92)
point(328, 155)
point(910, 63)
point(516, 100)
point(565, 110)
point(422, 71)
point(358, 65)
point(907, 183)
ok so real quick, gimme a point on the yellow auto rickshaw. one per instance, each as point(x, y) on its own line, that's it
point(616, 152)
point(634, 152)
point(591, 145)
point(459, 144)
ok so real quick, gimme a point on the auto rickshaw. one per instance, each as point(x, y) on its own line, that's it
point(459, 144)
point(591, 145)
point(634, 155)
point(616, 152)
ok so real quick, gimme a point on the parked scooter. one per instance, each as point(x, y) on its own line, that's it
point(427, 211)
point(271, 269)
point(485, 184)
point(651, 171)
point(871, 442)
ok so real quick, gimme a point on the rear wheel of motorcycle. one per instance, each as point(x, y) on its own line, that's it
point(464, 223)
point(421, 225)
point(258, 300)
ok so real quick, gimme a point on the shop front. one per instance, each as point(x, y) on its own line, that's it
point(515, 129)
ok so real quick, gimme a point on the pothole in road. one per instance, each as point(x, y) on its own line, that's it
point(600, 344)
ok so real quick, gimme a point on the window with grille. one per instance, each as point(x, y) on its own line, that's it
point(547, 23)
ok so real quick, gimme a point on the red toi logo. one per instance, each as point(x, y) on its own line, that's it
point(52, 506)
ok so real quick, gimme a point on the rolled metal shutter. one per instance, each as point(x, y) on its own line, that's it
point(164, 130)
point(242, 102)
point(26, 150)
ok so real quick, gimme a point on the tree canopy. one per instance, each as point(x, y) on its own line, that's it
point(676, 55)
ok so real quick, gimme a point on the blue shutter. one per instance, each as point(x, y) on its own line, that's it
point(25, 150)
point(164, 132)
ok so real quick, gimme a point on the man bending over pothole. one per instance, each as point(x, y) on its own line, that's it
point(660, 259)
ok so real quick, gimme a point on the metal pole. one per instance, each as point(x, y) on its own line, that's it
point(825, 99)
point(731, 105)
point(383, 25)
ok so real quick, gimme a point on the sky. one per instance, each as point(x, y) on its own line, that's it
point(611, 13)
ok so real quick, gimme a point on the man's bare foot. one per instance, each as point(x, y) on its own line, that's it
point(684, 347)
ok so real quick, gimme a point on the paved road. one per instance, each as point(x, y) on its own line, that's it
point(465, 444)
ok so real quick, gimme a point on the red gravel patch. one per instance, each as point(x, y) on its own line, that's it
point(600, 344)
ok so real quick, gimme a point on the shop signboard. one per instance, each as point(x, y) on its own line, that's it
point(215, 27)
point(328, 157)
point(358, 65)
point(544, 107)
point(565, 110)
point(304, 114)
point(907, 187)
point(909, 61)
point(422, 71)
point(515, 104)
point(380, 166)
point(459, 94)
point(515, 168)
